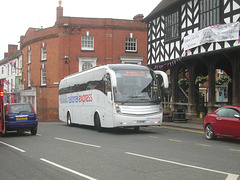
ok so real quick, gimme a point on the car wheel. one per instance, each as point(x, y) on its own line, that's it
point(33, 132)
point(69, 122)
point(97, 123)
point(209, 132)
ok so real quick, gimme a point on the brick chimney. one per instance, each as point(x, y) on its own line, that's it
point(59, 10)
point(138, 17)
point(5, 55)
point(21, 41)
point(12, 49)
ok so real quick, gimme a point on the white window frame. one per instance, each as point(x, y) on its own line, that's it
point(43, 52)
point(131, 44)
point(43, 76)
point(131, 60)
point(29, 55)
point(86, 65)
point(83, 60)
point(29, 76)
point(8, 69)
point(11, 86)
point(87, 43)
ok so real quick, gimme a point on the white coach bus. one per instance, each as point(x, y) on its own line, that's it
point(115, 95)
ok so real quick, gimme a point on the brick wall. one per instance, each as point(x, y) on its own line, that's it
point(64, 39)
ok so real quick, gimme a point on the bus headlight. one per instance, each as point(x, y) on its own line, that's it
point(118, 110)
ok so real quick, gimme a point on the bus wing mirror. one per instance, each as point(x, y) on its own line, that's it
point(164, 76)
point(113, 77)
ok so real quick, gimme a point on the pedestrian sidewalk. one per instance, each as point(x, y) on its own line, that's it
point(183, 124)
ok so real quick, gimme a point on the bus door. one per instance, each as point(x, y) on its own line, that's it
point(2, 117)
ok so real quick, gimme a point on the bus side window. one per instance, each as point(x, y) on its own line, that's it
point(107, 83)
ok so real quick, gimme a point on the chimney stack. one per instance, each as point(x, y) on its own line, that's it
point(5, 55)
point(138, 17)
point(21, 41)
point(12, 49)
point(59, 10)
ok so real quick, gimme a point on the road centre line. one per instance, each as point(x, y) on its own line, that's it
point(67, 169)
point(16, 148)
point(175, 140)
point(206, 145)
point(76, 142)
point(153, 137)
point(229, 175)
point(182, 129)
point(238, 150)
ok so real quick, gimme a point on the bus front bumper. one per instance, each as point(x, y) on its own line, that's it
point(138, 120)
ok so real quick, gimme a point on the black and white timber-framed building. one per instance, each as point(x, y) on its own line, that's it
point(180, 42)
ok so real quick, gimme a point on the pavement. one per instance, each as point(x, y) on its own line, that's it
point(184, 124)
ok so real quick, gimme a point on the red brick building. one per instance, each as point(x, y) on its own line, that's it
point(74, 44)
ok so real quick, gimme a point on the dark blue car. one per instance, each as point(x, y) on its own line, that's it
point(21, 117)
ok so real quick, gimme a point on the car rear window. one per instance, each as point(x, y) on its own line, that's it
point(20, 108)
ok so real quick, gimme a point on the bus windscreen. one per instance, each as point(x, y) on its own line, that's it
point(136, 86)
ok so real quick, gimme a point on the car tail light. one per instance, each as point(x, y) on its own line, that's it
point(7, 110)
point(1, 94)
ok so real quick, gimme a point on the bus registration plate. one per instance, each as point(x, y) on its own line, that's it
point(141, 121)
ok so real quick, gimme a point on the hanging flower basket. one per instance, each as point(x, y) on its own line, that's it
point(183, 82)
point(223, 79)
point(200, 80)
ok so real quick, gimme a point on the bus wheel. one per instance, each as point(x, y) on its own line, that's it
point(69, 122)
point(136, 129)
point(97, 123)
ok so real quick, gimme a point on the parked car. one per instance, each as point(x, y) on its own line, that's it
point(224, 122)
point(21, 117)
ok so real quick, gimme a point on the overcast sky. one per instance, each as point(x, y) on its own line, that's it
point(16, 16)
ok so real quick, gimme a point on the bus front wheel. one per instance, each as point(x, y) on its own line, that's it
point(97, 123)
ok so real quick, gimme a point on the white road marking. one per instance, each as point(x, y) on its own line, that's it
point(67, 169)
point(16, 148)
point(229, 175)
point(76, 142)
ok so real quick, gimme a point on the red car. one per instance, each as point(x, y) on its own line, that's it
point(224, 122)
